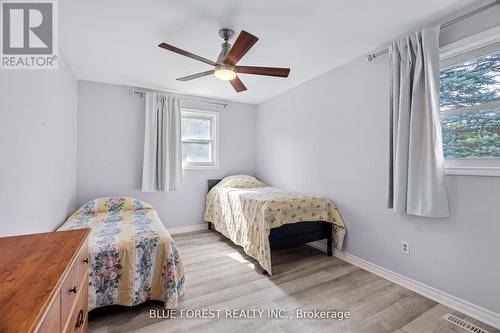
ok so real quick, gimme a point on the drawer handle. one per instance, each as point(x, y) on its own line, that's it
point(73, 290)
point(86, 260)
point(79, 319)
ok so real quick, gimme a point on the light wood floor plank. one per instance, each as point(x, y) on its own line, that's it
point(219, 275)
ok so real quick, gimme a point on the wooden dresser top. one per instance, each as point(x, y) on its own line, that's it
point(32, 267)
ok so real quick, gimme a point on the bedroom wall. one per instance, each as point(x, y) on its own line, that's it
point(110, 152)
point(329, 136)
point(38, 148)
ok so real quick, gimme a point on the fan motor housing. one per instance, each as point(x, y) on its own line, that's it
point(226, 34)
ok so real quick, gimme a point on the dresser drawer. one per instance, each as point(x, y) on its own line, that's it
point(83, 260)
point(74, 285)
point(85, 326)
point(77, 320)
point(52, 320)
point(69, 292)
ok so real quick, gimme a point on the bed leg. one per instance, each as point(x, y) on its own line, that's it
point(209, 225)
point(329, 242)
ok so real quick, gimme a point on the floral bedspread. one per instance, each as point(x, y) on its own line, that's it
point(245, 210)
point(132, 255)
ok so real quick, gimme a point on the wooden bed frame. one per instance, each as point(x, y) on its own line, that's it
point(290, 235)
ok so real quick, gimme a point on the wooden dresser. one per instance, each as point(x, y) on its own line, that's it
point(44, 282)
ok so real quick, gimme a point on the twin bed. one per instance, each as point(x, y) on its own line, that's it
point(262, 218)
point(133, 258)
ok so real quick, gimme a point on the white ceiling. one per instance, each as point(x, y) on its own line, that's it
point(116, 41)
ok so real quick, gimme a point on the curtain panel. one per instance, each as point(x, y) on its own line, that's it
point(162, 165)
point(416, 165)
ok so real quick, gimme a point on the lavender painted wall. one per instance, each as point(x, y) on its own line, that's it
point(329, 136)
point(38, 148)
point(110, 150)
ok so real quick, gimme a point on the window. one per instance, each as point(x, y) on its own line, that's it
point(199, 139)
point(470, 106)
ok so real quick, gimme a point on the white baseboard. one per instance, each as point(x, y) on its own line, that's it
point(188, 228)
point(486, 316)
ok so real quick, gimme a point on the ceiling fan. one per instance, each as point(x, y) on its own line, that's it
point(225, 67)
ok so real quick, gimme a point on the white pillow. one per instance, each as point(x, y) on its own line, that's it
point(240, 181)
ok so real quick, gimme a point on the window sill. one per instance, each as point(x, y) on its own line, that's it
point(473, 171)
point(200, 167)
point(473, 166)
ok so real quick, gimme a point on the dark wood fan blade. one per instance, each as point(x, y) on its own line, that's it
point(186, 53)
point(195, 76)
point(269, 71)
point(241, 46)
point(238, 85)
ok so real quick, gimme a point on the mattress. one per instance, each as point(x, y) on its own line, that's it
point(244, 209)
point(133, 258)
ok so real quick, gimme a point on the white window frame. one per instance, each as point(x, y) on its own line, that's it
point(468, 48)
point(214, 140)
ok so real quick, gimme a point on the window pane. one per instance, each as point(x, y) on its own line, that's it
point(196, 152)
point(472, 134)
point(196, 128)
point(473, 82)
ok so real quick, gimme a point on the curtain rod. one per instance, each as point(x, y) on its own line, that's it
point(142, 93)
point(372, 56)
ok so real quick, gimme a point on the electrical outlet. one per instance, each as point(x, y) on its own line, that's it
point(405, 247)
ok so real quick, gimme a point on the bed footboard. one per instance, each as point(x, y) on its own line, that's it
point(289, 235)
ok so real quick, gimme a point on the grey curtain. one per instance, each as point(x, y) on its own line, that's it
point(162, 165)
point(416, 180)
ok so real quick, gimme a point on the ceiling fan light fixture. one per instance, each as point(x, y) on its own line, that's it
point(226, 68)
point(225, 73)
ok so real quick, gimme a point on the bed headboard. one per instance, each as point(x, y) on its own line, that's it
point(212, 183)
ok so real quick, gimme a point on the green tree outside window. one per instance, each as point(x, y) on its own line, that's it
point(471, 134)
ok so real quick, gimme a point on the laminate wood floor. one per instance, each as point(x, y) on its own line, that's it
point(219, 275)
